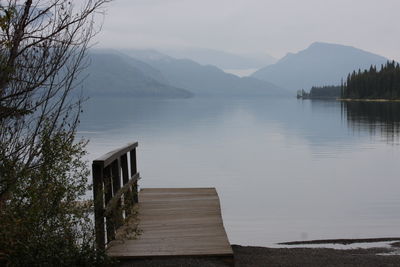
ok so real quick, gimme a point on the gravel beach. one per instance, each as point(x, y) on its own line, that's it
point(262, 256)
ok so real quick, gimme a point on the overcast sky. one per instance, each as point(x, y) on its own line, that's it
point(274, 27)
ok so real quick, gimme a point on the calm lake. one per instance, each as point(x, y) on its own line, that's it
point(285, 169)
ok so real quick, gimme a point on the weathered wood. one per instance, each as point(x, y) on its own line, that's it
point(98, 196)
point(128, 196)
point(116, 178)
point(176, 222)
point(113, 155)
point(108, 195)
point(173, 222)
point(113, 203)
point(133, 171)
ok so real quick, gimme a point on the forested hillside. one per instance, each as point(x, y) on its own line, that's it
point(330, 91)
point(374, 84)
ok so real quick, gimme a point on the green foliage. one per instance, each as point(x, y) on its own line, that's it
point(373, 84)
point(43, 174)
point(6, 15)
point(42, 224)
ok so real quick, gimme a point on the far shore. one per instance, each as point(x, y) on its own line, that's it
point(352, 99)
point(367, 100)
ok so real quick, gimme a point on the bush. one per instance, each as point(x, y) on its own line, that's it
point(42, 224)
point(43, 176)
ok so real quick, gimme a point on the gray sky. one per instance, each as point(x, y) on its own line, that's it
point(253, 26)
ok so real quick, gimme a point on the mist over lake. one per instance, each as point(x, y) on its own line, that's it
point(285, 169)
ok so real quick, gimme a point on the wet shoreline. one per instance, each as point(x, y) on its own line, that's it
point(252, 256)
point(342, 241)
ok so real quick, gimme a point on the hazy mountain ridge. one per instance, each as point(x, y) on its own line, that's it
point(150, 73)
point(222, 59)
point(145, 68)
point(320, 64)
point(204, 79)
point(110, 74)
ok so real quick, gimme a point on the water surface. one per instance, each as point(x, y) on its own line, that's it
point(285, 169)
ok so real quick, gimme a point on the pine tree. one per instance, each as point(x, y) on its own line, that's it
point(373, 84)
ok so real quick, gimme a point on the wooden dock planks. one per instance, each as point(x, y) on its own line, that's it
point(176, 222)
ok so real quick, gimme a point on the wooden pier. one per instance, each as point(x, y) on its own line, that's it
point(171, 221)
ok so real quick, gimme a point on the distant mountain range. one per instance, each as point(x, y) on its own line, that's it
point(318, 65)
point(221, 59)
point(204, 79)
point(149, 73)
point(113, 74)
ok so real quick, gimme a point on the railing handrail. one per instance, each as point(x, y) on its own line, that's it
point(109, 157)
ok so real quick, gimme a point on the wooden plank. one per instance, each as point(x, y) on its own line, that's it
point(176, 222)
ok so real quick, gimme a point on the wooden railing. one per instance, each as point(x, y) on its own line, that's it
point(113, 196)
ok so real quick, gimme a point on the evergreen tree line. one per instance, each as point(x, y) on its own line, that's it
point(329, 91)
point(374, 84)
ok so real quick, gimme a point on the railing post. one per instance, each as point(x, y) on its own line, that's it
point(108, 194)
point(98, 198)
point(116, 178)
point(134, 171)
point(128, 198)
